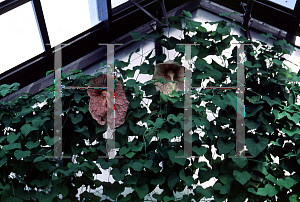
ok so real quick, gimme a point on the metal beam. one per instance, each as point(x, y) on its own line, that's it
point(8, 5)
point(151, 16)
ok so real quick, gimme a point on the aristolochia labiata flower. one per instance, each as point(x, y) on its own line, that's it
point(98, 102)
point(170, 71)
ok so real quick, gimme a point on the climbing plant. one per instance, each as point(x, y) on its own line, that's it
point(271, 118)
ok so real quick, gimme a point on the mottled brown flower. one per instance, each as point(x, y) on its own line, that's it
point(170, 71)
point(98, 102)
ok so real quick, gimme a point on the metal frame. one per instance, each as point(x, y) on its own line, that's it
point(86, 43)
point(39, 16)
point(268, 12)
point(82, 44)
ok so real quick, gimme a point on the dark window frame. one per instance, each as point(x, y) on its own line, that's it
point(85, 44)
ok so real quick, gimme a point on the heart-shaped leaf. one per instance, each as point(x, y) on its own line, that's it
point(241, 161)
point(12, 137)
point(173, 154)
point(164, 134)
point(142, 191)
point(241, 177)
point(31, 144)
point(21, 154)
point(255, 148)
point(76, 118)
point(225, 147)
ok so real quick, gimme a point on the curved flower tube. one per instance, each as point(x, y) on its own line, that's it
point(98, 102)
point(170, 71)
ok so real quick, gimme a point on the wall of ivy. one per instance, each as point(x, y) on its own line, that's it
point(271, 118)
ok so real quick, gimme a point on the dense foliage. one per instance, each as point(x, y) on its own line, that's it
point(271, 117)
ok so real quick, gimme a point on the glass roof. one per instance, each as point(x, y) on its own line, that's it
point(115, 3)
point(20, 40)
point(286, 3)
point(66, 19)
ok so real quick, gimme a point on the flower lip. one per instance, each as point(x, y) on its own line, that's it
point(170, 71)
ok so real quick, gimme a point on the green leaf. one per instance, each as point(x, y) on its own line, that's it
point(200, 64)
point(64, 190)
point(130, 154)
point(253, 99)
point(187, 13)
point(189, 180)
point(287, 182)
point(136, 35)
point(3, 161)
point(148, 163)
point(227, 14)
point(241, 177)
point(123, 150)
point(77, 97)
point(267, 190)
point(12, 137)
point(11, 146)
point(167, 198)
point(172, 154)
point(142, 191)
point(294, 198)
point(149, 89)
point(164, 134)
point(191, 24)
point(175, 118)
point(83, 109)
point(256, 148)
point(221, 30)
point(137, 166)
point(291, 132)
point(50, 71)
point(159, 122)
point(253, 109)
point(160, 180)
point(241, 161)
point(26, 129)
point(138, 147)
point(199, 151)
point(207, 192)
point(271, 102)
point(104, 164)
point(172, 180)
point(277, 62)
point(24, 112)
point(295, 118)
point(268, 35)
point(225, 147)
point(76, 118)
point(49, 140)
point(233, 99)
point(118, 176)
point(31, 144)
point(38, 159)
point(132, 83)
point(21, 154)
point(224, 189)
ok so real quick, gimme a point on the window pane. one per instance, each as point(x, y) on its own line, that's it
point(115, 3)
point(68, 18)
point(19, 37)
point(286, 3)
